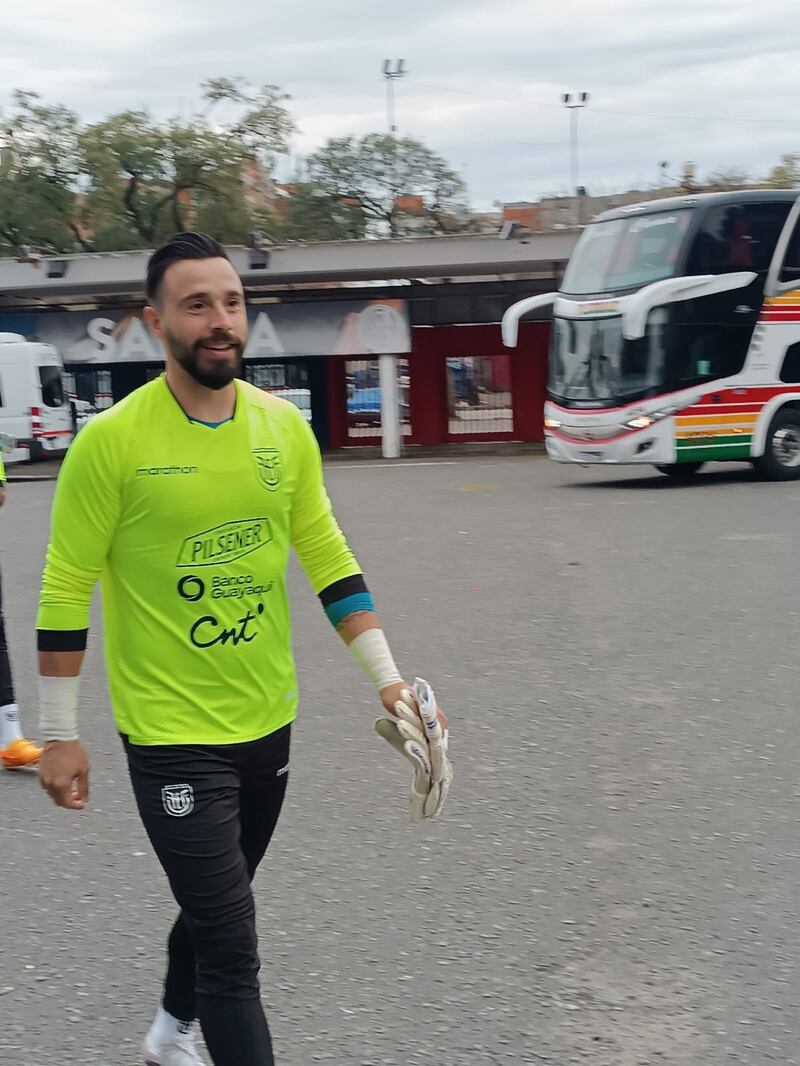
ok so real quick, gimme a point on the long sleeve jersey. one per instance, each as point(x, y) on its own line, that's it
point(188, 529)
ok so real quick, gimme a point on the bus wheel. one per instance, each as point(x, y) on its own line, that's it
point(680, 472)
point(781, 458)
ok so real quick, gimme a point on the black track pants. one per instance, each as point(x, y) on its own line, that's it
point(210, 812)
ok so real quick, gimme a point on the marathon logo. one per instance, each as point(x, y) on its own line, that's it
point(223, 544)
point(158, 471)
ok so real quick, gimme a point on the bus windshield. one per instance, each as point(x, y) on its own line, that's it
point(591, 363)
point(626, 253)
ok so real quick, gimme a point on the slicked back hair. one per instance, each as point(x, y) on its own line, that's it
point(181, 246)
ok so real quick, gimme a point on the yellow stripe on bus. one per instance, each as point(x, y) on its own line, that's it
point(716, 420)
point(787, 298)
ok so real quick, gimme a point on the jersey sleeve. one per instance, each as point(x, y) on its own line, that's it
point(2, 471)
point(316, 537)
point(85, 514)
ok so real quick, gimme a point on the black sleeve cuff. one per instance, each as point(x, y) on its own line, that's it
point(339, 590)
point(61, 639)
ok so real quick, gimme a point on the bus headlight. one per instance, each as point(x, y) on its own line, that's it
point(640, 422)
point(552, 423)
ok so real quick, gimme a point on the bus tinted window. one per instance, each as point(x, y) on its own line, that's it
point(737, 237)
point(626, 253)
point(790, 269)
point(790, 371)
point(52, 386)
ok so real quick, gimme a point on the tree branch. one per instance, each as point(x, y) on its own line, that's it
point(132, 207)
point(76, 233)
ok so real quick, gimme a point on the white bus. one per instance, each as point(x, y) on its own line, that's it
point(36, 420)
point(676, 336)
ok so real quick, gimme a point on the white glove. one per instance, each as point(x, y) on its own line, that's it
point(417, 734)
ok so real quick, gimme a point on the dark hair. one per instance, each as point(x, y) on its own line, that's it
point(181, 246)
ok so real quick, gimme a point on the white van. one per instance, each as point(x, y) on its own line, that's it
point(36, 420)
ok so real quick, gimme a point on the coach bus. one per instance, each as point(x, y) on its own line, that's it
point(676, 336)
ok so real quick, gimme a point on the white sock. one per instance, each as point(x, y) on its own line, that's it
point(9, 724)
point(165, 1029)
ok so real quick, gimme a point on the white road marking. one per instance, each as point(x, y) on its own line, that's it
point(389, 466)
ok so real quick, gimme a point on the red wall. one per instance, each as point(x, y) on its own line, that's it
point(431, 346)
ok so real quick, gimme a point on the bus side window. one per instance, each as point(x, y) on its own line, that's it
point(790, 371)
point(742, 237)
point(790, 269)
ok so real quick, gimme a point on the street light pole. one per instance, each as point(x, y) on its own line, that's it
point(573, 102)
point(391, 428)
point(392, 72)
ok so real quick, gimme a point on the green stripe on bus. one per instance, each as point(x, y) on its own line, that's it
point(712, 453)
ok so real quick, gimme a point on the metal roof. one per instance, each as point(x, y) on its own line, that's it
point(67, 278)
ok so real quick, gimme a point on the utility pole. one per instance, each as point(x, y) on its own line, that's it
point(574, 102)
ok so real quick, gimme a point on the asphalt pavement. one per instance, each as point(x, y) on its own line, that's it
point(614, 880)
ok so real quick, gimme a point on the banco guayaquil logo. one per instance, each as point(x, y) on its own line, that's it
point(268, 462)
point(178, 800)
point(224, 543)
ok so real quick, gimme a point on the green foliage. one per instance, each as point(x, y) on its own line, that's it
point(39, 172)
point(379, 171)
point(130, 180)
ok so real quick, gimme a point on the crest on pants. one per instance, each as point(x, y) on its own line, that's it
point(178, 800)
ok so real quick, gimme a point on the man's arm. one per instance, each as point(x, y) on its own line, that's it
point(362, 633)
point(85, 514)
point(418, 729)
point(335, 575)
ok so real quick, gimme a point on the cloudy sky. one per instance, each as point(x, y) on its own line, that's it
point(712, 81)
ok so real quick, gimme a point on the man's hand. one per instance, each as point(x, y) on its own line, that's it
point(64, 773)
point(419, 732)
point(2, 494)
point(402, 692)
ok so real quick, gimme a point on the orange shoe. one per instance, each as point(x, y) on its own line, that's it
point(20, 753)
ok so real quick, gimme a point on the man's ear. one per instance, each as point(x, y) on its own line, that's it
point(153, 321)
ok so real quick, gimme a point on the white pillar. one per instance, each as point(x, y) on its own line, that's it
point(390, 406)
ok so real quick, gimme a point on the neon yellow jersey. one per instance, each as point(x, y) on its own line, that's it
point(2, 470)
point(188, 529)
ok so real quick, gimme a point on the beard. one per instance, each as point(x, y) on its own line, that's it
point(212, 373)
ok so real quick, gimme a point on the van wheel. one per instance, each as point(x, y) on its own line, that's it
point(681, 472)
point(781, 458)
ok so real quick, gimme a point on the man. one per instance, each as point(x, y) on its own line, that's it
point(184, 499)
point(15, 751)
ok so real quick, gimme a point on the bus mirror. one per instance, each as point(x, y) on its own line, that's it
point(510, 323)
point(638, 306)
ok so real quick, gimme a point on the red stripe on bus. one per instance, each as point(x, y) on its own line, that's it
point(732, 409)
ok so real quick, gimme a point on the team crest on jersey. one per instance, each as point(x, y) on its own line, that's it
point(178, 800)
point(268, 461)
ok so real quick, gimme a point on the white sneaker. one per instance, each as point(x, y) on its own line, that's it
point(180, 1051)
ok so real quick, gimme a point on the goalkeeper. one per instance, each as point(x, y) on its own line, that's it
point(183, 501)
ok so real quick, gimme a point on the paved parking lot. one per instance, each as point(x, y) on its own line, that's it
point(615, 879)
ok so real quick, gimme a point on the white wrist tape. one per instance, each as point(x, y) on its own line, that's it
point(58, 708)
point(371, 651)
